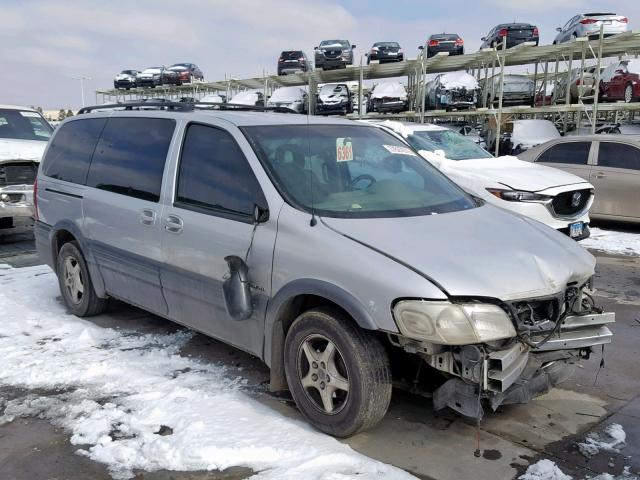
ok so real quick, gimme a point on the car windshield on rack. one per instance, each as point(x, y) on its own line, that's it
point(386, 44)
point(23, 125)
point(334, 43)
point(454, 145)
point(352, 172)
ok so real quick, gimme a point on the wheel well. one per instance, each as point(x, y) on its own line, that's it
point(291, 310)
point(61, 237)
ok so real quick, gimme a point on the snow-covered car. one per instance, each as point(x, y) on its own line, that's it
point(252, 97)
point(455, 90)
point(293, 98)
point(211, 98)
point(334, 98)
point(387, 97)
point(556, 198)
point(150, 77)
point(24, 134)
point(588, 25)
point(126, 79)
point(621, 81)
point(519, 135)
point(516, 90)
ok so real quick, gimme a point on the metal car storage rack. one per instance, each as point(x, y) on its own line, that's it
point(550, 63)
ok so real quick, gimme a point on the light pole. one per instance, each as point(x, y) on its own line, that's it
point(82, 78)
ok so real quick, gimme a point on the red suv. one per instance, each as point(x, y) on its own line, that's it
point(621, 81)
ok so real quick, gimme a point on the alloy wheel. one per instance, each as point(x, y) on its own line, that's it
point(73, 280)
point(323, 374)
point(628, 94)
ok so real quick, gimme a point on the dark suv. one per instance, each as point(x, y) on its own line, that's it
point(515, 33)
point(292, 61)
point(334, 54)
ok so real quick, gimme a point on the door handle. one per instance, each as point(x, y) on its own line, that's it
point(600, 175)
point(173, 224)
point(147, 217)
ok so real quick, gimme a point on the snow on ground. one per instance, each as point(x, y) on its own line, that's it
point(130, 401)
point(621, 243)
point(614, 439)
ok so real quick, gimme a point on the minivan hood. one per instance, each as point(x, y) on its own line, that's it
point(482, 252)
point(512, 172)
point(16, 149)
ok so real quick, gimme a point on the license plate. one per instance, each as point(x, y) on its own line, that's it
point(576, 229)
point(391, 53)
point(607, 22)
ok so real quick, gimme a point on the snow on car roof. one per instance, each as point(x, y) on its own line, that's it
point(16, 107)
point(459, 80)
point(633, 66)
point(389, 89)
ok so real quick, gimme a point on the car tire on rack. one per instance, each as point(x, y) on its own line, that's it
point(75, 283)
point(338, 374)
point(628, 93)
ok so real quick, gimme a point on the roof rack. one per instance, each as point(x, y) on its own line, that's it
point(187, 106)
point(180, 106)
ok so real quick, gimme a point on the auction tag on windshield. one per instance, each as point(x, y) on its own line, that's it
point(399, 150)
point(344, 150)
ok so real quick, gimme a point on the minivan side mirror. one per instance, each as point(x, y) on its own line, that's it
point(420, 47)
point(352, 47)
point(315, 48)
point(559, 29)
point(260, 214)
point(483, 39)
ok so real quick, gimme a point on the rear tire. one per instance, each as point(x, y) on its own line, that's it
point(346, 386)
point(75, 283)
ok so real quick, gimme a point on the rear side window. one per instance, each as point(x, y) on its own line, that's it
point(619, 155)
point(130, 156)
point(69, 154)
point(575, 153)
point(214, 175)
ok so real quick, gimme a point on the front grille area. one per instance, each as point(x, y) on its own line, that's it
point(571, 203)
point(18, 173)
point(332, 54)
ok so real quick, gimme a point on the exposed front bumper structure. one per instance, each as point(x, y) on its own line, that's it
point(16, 205)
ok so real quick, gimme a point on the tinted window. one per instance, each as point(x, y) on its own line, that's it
point(575, 153)
point(294, 55)
point(69, 154)
point(214, 175)
point(618, 155)
point(130, 157)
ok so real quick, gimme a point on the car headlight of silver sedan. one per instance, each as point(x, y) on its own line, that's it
point(446, 323)
point(519, 195)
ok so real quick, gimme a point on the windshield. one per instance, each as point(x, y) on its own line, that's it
point(333, 89)
point(23, 125)
point(334, 43)
point(454, 145)
point(352, 172)
point(387, 44)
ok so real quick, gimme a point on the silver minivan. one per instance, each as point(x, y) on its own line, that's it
point(327, 248)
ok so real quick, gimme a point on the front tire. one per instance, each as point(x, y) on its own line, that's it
point(75, 283)
point(338, 374)
point(628, 93)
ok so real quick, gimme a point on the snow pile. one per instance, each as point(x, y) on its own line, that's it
point(459, 80)
point(403, 129)
point(287, 94)
point(389, 89)
point(594, 443)
point(132, 402)
point(633, 66)
point(613, 242)
point(248, 97)
point(544, 470)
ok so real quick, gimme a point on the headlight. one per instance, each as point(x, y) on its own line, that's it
point(447, 323)
point(519, 195)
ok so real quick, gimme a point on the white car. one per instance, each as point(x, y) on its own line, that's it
point(252, 97)
point(23, 136)
point(558, 199)
point(588, 25)
point(293, 98)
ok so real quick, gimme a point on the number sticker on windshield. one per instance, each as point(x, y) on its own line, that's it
point(30, 114)
point(344, 149)
point(399, 150)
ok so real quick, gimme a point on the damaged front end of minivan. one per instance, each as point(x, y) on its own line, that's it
point(500, 353)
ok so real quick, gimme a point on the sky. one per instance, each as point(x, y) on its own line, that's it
point(46, 43)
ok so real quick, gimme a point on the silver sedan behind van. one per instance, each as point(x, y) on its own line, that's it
point(327, 248)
